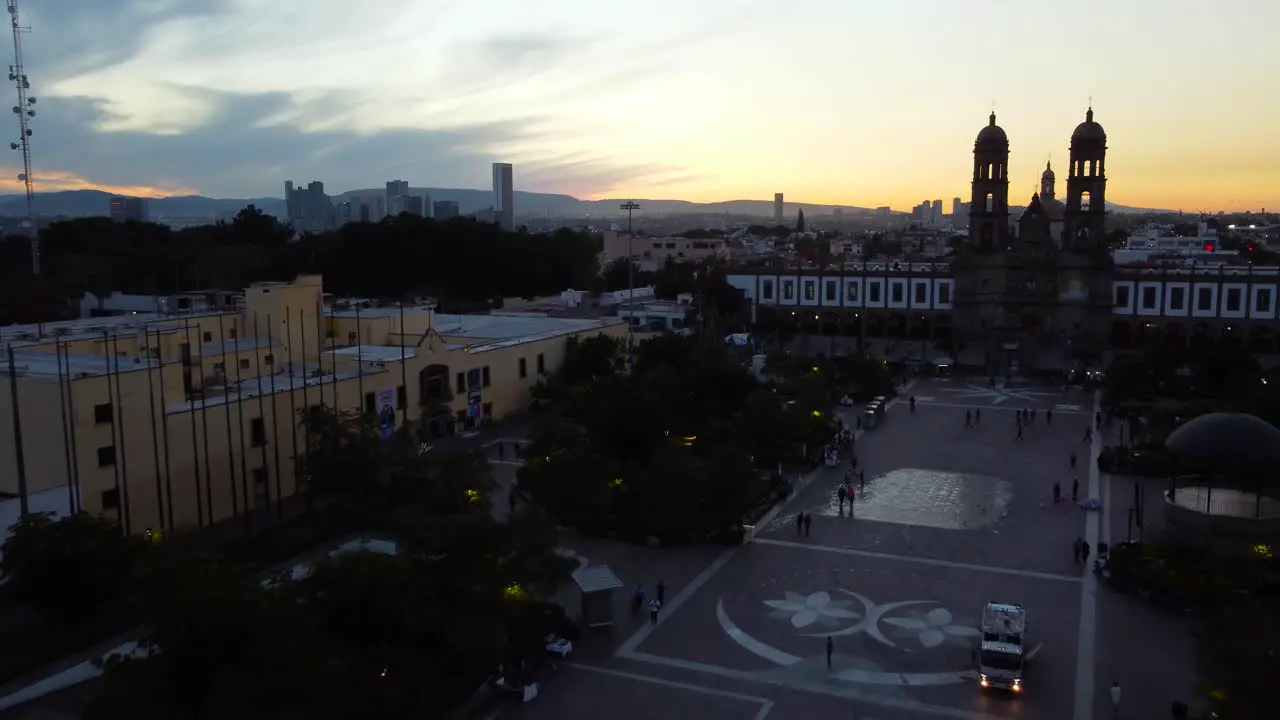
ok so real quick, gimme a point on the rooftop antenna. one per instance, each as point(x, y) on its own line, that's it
point(25, 110)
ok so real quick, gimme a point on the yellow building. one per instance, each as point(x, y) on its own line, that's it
point(171, 420)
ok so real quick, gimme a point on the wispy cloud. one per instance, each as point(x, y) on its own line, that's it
point(53, 181)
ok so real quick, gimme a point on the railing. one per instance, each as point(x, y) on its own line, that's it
point(1205, 496)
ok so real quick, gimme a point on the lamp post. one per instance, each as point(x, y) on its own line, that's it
point(630, 206)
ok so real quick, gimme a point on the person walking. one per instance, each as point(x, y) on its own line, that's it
point(661, 591)
point(977, 416)
point(1084, 552)
point(968, 419)
point(654, 607)
point(1115, 698)
point(912, 402)
point(831, 648)
point(1019, 435)
point(1057, 493)
point(1088, 434)
point(800, 524)
point(808, 524)
point(862, 479)
point(1048, 416)
point(1077, 548)
point(1075, 489)
point(501, 452)
point(1073, 459)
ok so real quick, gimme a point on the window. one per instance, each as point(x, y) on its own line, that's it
point(1177, 298)
point(873, 292)
point(1122, 296)
point(259, 476)
point(371, 403)
point(851, 291)
point(473, 378)
point(220, 368)
point(107, 456)
point(257, 432)
point(788, 289)
point(110, 499)
point(402, 397)
point(1148, 298)
point(831, 295)
point(1262, 301)
point(244, 363)
point(268, 360)
point(542, 364)
point(1204, 298)
point(484, 375)
point(671, 246)
point(657, 246)
point(896, 291)
point(102, 414)
point(810, 289)
point(231, 333)
point(1233, 299)
point(944, 294)
point(351, 338)
point(523, 365)
point(208, 337)
point(766, 290)
point(922, 294)
point(460, 385)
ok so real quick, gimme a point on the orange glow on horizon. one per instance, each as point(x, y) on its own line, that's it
point(56, 181)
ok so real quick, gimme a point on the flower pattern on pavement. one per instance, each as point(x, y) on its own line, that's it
point(934, 627)
point(805, 610)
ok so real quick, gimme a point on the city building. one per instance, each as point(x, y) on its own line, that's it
point(1042, 293)
point(444, 209)
point(777, 209)
point(371, 208)
point(957, 208)
point(396, 189)
point(504, 196)
point(130, 208)
point(188, 417)
point(309, 209)
point(651, 253)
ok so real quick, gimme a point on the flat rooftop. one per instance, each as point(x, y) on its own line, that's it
point(379, 312)
point(34, 363)
point(500, 327)
point(376, 353)
point(80, 328)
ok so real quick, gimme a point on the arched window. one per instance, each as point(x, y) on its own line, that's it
point(1085, 199)
point(991, 202)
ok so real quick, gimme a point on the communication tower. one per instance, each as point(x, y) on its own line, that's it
point(25, 110)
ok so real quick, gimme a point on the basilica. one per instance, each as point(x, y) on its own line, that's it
point(1035, 292)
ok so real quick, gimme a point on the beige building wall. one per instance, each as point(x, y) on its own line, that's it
point(228, 451)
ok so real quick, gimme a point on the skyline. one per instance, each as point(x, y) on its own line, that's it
point(736, 99)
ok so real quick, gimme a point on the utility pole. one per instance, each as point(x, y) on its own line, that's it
point(25, 111)
point(630, 206)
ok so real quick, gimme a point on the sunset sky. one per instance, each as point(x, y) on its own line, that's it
point(856, 103)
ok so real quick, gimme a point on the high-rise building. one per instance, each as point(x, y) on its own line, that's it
point(396, 189)
point(444, 209)
point(777, 208)
point(129, 208)
point(290, 204)
point(935, 213)
point(309, 209)
point(956, 207)
point(504, 196)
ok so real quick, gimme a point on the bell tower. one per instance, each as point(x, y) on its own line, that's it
point(1047, 181)
point(989, 203)
point(1085, 218)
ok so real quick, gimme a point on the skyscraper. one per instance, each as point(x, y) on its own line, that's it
point(777, 208)
point(396, 189)
point(504, 196)
point(956, 205)
point(444, 209)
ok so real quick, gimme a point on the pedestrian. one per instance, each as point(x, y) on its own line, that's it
point(1088, 434)
point(637, 598)
point(1057, 493)
point(1098, 418)
point(1115, 698)
point(654, 607)
point(977, 417)
point(1033, 414)
point(1073, 459)
point(1019, 437)
point(1084, 551)
point(808, 524)
point(511, 501)
point(1075, 489)
point(1048, 417)
point(662, 592)
point(831, 648)
point(862, 479)
point(842, 492)
point(800, 524)
point(1077, 548)
point(968, 419)
point(913, 403)
point(501, 452)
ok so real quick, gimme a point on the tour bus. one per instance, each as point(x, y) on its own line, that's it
point(1001, 655)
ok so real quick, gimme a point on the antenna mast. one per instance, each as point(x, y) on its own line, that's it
point(25, 111)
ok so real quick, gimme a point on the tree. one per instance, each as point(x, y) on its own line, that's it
point(69, 567)
point(344, 450)
point(800, 221)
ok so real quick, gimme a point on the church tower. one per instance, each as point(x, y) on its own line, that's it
point(1085, 218)
point(1047, 179)
point(989, 203)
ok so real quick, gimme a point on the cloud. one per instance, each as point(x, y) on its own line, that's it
point(55, 180)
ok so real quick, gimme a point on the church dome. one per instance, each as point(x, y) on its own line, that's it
point(992, 136)
point(1089, 130)
point(1048, 172)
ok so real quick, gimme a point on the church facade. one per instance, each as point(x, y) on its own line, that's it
point(1033, 293)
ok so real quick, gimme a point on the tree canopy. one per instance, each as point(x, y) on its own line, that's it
point(458, 260)
point(681, 447)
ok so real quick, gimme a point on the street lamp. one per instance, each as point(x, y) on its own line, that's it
point(630, 206)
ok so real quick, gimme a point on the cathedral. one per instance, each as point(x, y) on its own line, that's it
point(1035, 294)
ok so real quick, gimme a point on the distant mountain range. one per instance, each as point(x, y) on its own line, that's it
point(88, 203)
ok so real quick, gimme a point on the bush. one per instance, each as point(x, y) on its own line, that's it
point(1140, 461)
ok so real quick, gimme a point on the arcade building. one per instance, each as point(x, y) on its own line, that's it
point(1036, 292)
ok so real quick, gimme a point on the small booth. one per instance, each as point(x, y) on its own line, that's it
point(942, 367)
point(596, 583)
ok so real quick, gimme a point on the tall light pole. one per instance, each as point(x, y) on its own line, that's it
point(630, 206)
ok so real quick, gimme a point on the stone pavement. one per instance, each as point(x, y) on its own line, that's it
point(949, 519)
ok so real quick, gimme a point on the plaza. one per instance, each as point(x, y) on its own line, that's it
point(949, 518)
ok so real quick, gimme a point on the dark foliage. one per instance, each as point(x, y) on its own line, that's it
point(682, 448)
point(458, 261)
